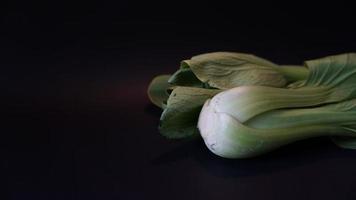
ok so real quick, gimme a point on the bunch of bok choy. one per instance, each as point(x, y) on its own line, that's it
point(244, 106)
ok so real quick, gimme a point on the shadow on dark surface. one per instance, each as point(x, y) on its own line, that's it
point(153, 110)
point(188, 148)
point(287, 157)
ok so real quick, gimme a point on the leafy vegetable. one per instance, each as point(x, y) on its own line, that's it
point(251, 120)
point(245, 105)
point(226, 69)
point(179, 119)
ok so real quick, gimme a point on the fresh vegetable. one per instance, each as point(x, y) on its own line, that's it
point(214, 72)
point(251, 120)
point(248, 106)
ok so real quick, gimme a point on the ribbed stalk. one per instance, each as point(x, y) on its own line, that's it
point(248, 101)
point(302, 117)
point(293, 72)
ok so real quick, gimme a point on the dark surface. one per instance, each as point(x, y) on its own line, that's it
point(77, 123)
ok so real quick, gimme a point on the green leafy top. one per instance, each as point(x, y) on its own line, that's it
point(226, 70)
point(186, 77)
point(179, 119)
point(338, 73)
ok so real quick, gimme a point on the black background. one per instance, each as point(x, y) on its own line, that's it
point(77, 124)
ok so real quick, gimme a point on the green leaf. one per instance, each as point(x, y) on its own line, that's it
point(336, 73)
point(179, 119)
point(185, 77)
point(225, 70)
point(330, 71)
point(158, 90)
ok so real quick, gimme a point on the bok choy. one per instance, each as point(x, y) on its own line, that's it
point(243, 105)
point(212, 73)
point(252, 120)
